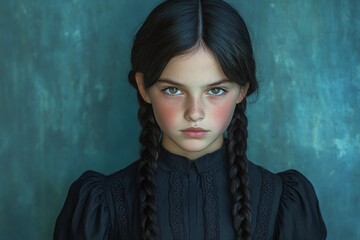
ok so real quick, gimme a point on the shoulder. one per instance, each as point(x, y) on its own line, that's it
point(90, 206)
point(288, 202)
point(283, 184)
point(86, 197)
point(289, 182)
point(95, 184)
point(298, 193)
point(299, 215)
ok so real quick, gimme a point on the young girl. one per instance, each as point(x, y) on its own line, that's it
point(192, 67)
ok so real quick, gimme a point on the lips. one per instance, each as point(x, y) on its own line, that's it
point(192, 129)
point(194, 132)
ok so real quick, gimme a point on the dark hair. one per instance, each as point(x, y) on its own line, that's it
point(173, 28)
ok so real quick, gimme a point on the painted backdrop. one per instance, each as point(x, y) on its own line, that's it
point(66, 106)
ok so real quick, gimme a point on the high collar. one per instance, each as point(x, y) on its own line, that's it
point(183, 164)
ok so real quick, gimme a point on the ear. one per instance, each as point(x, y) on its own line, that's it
point(243, 92)
point(139, 78)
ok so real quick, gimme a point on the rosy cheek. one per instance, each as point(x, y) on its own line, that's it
point(222, 115)
point(165, 114)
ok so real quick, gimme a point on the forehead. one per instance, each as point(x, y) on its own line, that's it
point(197, 67)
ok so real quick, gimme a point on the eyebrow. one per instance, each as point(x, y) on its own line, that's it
point(161, 80)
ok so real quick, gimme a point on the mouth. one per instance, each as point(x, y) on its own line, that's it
point(194, 132)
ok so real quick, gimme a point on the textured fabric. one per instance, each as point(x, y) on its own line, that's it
point(193, 202)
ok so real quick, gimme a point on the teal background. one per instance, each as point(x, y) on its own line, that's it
point(66, 106)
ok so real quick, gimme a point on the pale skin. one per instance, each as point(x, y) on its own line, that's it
point(193, 103)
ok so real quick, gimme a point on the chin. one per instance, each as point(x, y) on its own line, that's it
point(197, 146)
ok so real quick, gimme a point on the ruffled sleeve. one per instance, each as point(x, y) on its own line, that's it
point(85, 214)
point(299, 215)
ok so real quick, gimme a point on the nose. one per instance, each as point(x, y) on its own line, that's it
point(194, 109)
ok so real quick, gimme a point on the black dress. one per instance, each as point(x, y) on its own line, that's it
point(193, 202)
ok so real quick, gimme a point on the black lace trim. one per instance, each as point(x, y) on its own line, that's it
point(211, 205)
point(176, 206)
point(120, 208)
point(264, 205)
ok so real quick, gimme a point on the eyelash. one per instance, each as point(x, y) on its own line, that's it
point(221, 90)
point(166, 91)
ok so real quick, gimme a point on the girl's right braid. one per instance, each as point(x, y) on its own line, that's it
point(238, 166)
point(149, 139)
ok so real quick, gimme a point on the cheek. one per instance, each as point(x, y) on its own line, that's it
point(165, 114)
point(222, 114)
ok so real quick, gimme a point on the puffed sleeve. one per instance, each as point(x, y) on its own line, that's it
point(299, 215)
point(85, 214)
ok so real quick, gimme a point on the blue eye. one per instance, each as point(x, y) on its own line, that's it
point(172, 91)
point(216, 91)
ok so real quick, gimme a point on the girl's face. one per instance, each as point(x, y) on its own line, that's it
point(193, 103)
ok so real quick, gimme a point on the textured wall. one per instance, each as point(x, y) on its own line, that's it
point(66, 106)
point(307, 114)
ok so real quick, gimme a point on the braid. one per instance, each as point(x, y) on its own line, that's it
point(238, 168)
point(149, 139)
